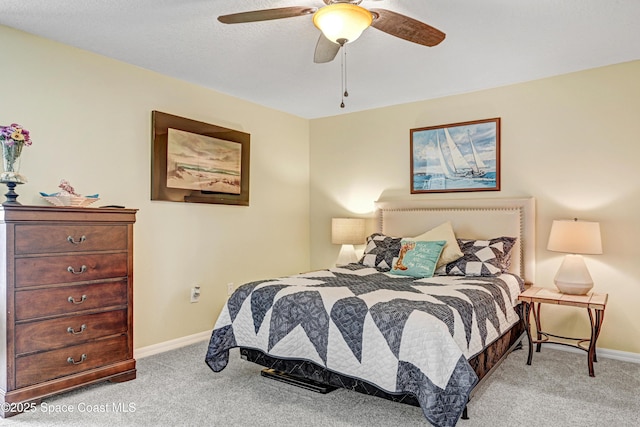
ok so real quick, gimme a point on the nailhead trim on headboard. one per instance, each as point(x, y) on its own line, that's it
point(520, 206)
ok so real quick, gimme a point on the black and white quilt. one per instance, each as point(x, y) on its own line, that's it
point(401, 334)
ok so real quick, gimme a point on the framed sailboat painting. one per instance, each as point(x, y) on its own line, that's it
point(456, 157)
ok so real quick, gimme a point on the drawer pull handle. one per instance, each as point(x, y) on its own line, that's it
point(83, 269)
point(73, 301)
point(73, 331)
point(70, 239)
point(73, 362)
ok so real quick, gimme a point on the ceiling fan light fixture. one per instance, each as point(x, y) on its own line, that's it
point(342, 21)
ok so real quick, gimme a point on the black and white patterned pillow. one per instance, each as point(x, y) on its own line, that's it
point(380, 251)
point(481, 258)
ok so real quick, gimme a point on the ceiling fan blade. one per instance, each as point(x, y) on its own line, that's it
point(326, 50)
point(406, 28)
point(266, 14)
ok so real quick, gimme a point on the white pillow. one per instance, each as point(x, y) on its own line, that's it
point(444, 231)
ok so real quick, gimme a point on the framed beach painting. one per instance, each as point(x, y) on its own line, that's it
point(198, 162)
point(456, 157)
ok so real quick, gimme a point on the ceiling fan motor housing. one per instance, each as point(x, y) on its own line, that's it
point(342, 21)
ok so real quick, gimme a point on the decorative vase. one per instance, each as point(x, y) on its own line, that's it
point(11, 163)
point(13, 138)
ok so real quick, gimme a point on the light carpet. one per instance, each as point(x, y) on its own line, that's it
point(177, 388)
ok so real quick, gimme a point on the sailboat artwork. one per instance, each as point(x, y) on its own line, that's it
point(456, 157)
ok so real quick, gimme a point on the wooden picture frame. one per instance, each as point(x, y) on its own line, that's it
point(198, 162)
point(456, 157)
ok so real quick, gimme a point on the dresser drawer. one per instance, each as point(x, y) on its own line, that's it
point(66, 331)
point(65, 300)
point(47, 270)
point(46, 366)
point(38, 239)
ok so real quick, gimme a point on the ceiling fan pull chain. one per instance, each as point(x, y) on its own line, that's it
point(342, 90)
point(346, 93)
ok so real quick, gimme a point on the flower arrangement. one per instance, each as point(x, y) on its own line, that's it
point(12, 138)
point(14, 134)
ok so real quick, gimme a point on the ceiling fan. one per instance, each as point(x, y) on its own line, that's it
point(342, 21)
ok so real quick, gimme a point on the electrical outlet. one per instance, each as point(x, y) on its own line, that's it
point(195, 294)
point(230, 288)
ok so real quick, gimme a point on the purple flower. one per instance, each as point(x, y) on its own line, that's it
point(14, 133)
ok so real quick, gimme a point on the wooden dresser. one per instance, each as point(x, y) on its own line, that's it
point(66, 291)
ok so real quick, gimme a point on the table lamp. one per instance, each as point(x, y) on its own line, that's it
point(574, 238)
point(347, 232)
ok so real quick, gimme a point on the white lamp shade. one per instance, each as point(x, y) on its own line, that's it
point(347, 231)
point(342, 21)
point(575, 237)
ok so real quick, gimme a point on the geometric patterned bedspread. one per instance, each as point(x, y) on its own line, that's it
point(401, 334)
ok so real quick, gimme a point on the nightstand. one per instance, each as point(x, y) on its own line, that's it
point(595, 304)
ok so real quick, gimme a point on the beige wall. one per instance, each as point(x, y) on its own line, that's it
point(90, 119)
point(570, 141)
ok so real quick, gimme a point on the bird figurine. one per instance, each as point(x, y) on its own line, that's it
point(67, 189)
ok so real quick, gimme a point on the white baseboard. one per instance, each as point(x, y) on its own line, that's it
point(150, 350)
point(624, 356)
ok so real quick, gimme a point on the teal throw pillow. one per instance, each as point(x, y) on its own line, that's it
point(417, 258)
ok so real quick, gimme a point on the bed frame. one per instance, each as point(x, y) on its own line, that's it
point(471, 218)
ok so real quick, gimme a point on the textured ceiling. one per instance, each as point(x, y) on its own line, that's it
point(489, 43)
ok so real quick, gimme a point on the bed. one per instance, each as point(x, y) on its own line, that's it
point(380, 326)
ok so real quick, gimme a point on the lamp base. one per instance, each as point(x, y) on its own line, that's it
point(346, 256)
point(574, 288)
point(573, 277)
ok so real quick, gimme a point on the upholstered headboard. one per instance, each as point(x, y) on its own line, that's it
point(470, 218)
